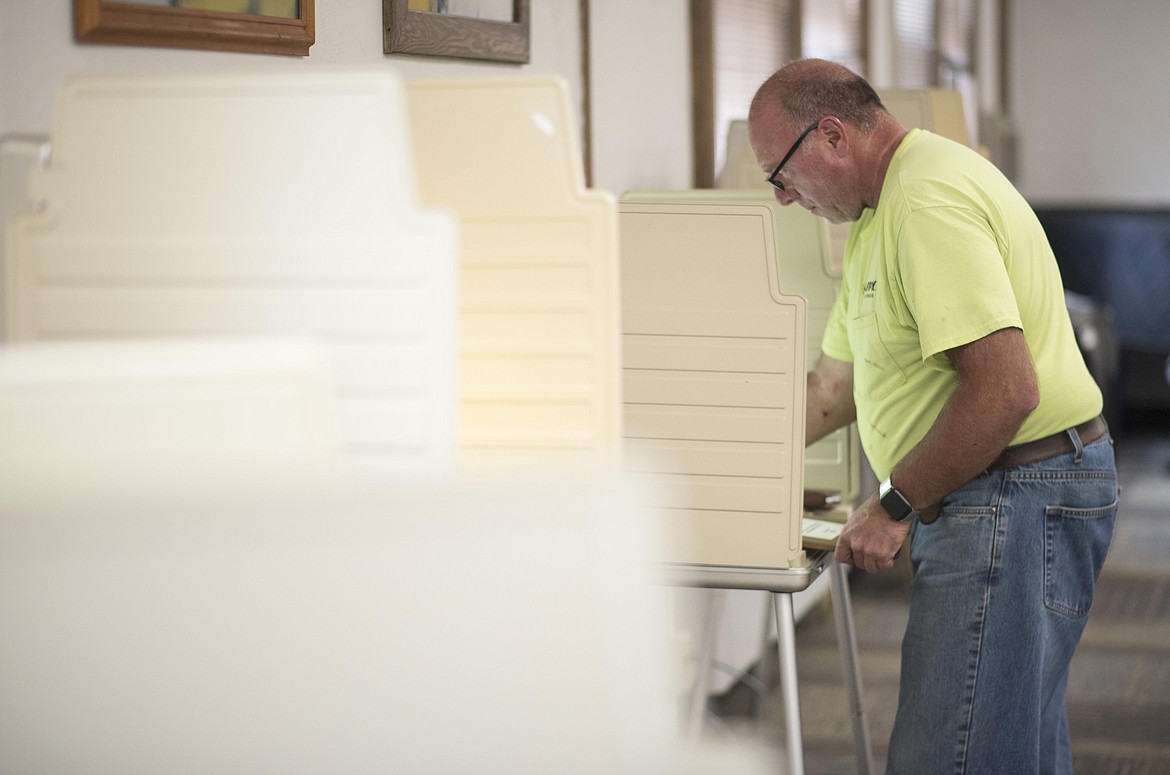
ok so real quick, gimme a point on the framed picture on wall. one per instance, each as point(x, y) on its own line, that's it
point(258, 26)
point(492, 30)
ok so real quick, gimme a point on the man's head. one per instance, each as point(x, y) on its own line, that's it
point(822, 132)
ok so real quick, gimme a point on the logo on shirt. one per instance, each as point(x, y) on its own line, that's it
point(870, 289)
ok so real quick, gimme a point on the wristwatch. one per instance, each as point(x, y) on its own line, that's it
point(894, 502)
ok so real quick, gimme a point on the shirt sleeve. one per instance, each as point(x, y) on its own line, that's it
point(954, 280)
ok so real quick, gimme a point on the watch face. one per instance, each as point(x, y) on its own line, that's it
point(895, 505)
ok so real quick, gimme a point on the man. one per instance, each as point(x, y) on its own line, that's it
point(951, 347)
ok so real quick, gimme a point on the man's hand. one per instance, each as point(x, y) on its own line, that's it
point(870, 538)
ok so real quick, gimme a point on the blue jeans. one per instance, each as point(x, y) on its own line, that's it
point(1002, 585)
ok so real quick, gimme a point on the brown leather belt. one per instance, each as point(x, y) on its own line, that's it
point(1033, 452)
point(1049, 446)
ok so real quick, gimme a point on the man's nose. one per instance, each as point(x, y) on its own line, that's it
point(785, 197)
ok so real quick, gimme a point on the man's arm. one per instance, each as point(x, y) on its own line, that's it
point(996, 393)
point(829, 397)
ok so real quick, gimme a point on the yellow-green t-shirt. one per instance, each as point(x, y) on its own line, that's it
point(951, 254)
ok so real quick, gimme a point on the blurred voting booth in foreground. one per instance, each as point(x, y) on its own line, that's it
point(165, 416)
point(220, 290)
point(278, 205)
point(185, 588)
point(281, 625)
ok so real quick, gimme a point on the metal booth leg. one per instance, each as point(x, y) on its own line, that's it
point(790, 693)
point(847, 647)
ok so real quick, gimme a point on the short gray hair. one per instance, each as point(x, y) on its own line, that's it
point(807, 90)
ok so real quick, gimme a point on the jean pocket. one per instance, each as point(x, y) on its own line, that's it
point(1075, 543)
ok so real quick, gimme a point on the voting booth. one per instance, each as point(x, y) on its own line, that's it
point(714, 359)
point(273, 205)
point(81, 418)
point(539, 355)
point(804, 265)
point(716, 344)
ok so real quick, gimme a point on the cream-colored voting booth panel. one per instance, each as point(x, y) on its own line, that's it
point(939, 110)
point(805, 267)
point(80, 420)
point(539, 375)
point(251, 204)
point(714, 363)
point(183, 590)
point(297, 631)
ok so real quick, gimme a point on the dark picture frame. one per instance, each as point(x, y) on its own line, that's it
point(446, 35)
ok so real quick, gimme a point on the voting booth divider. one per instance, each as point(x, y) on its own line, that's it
point(714, 364)
point(803, 267)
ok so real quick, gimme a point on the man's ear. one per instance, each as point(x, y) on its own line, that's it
point(836, 134)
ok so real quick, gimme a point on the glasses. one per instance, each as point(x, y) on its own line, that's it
point(772, 178)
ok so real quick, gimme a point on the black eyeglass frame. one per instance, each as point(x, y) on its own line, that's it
point(772, 178)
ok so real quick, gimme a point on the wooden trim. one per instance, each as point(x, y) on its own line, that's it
point(586, 92)
point(443, 35)
point(1005, 58)
point(703, 91)
point(865, 47)
point(795, 31)
point(935, 54)
point(100, 21)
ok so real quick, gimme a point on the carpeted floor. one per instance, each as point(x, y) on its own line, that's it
point(1119, 685)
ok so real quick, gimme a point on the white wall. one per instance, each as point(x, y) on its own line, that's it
point(1087, 83)
point(641, 75)
point(1090, 94)
point(641, 83)
point(37, 52)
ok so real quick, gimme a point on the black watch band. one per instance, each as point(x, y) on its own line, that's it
point(894, 502)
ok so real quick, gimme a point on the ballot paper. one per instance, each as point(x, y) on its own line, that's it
point(816, 533)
